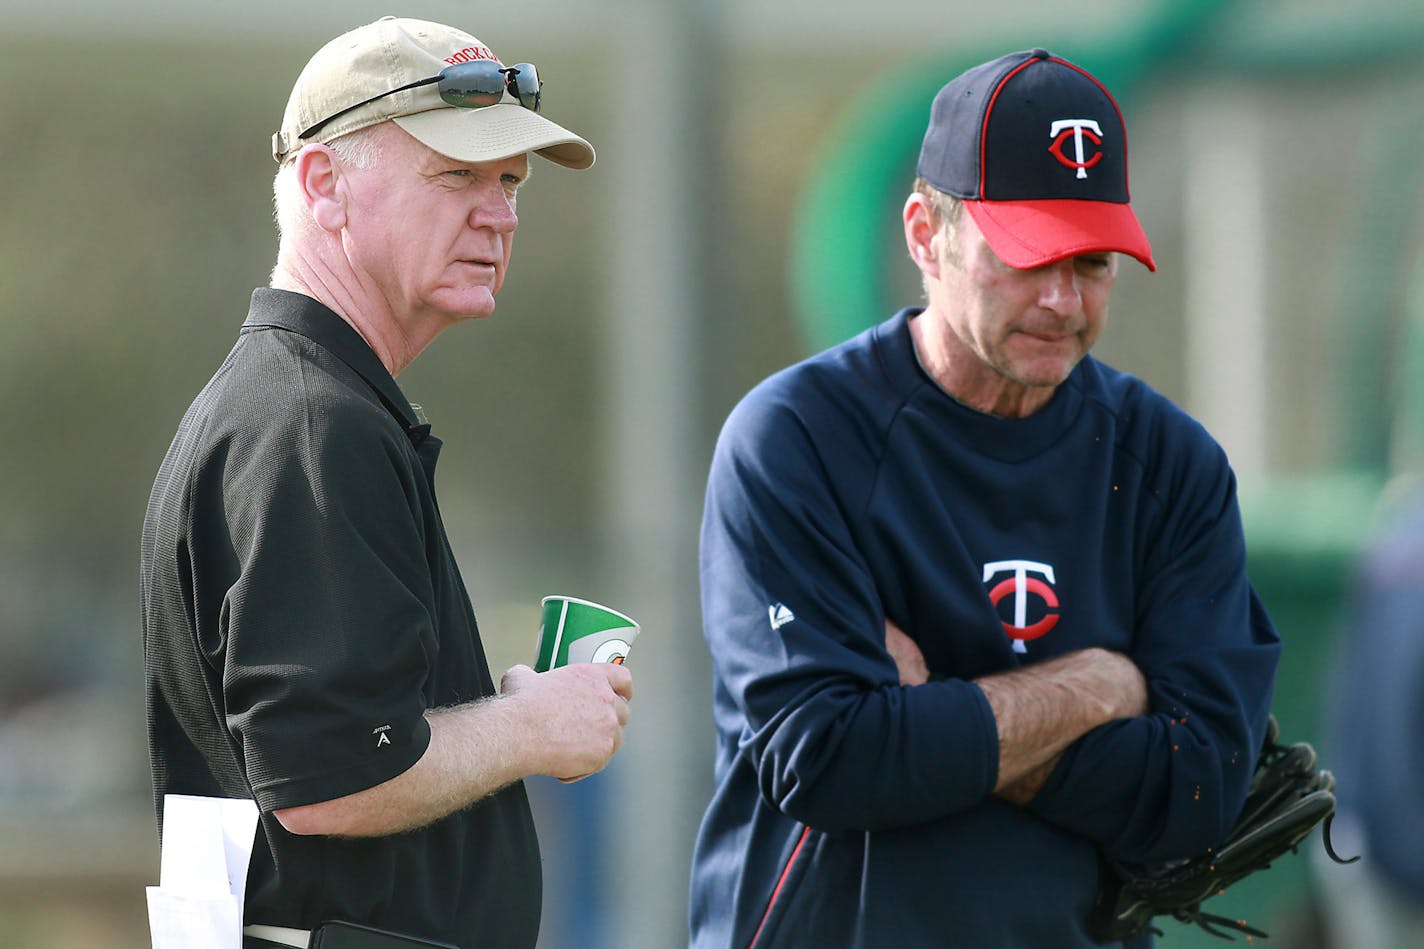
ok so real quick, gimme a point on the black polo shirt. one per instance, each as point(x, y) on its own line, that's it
point(302, 609)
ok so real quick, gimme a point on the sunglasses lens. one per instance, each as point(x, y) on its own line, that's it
point(524, 83)
point(472, 85)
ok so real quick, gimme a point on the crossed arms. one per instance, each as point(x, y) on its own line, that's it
point(1041, 709)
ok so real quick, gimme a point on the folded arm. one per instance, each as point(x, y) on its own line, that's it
point(1040, 710)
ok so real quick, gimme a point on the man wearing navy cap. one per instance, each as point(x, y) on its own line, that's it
point(976, 601)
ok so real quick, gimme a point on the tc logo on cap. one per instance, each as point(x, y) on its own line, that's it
point(1078, 129)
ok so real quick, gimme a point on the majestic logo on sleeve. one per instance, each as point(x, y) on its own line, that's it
point(779, 615)
point(1024, 588)
point(1077, 130)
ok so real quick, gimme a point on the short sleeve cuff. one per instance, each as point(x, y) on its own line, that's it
point(392, 754)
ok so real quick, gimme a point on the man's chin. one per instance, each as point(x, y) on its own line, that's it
point(1045, 373)
point(469, 306)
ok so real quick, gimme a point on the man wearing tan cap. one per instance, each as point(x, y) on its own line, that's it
point(308, 640)
point(976, 602)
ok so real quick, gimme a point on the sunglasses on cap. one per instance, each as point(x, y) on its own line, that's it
point(472, 85)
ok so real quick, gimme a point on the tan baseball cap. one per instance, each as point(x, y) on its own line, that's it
point(393, 52)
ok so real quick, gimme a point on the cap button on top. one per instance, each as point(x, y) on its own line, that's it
point(1039, 52)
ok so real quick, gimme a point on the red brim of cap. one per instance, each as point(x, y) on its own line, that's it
point(1028, 234)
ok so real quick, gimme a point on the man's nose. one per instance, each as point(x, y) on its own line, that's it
point(495, 211)
point(1059, 291)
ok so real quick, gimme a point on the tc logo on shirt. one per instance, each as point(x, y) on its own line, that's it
point(1020, 584)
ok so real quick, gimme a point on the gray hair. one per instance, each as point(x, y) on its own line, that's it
point(359, 149)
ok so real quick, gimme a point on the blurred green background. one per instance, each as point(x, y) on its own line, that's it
point(743, 213)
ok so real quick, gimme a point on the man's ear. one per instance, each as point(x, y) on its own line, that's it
point(319, 176)
point(920, 233)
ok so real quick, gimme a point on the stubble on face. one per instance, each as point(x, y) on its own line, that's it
point(1002, 340)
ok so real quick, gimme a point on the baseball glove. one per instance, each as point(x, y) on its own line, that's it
point(1289, 795)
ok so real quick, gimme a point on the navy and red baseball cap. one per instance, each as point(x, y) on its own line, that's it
point(1037, 150)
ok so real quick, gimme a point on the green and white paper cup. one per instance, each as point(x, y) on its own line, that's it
point(575, 630)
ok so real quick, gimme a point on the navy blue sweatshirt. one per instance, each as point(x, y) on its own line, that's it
point(852, 811)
